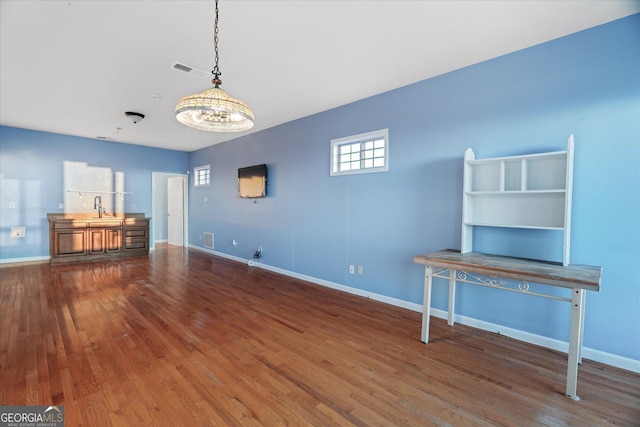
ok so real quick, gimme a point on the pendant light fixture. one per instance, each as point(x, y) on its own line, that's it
point(213, 110)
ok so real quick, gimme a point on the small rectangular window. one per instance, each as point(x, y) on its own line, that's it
point(201, 176)
point(363, 153)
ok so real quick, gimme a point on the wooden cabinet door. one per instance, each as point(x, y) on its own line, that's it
point(70, 242)
point(97, 244)
point(113, 240)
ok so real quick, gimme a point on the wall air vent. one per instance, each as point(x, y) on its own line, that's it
point(190, 70)
point(207, 240)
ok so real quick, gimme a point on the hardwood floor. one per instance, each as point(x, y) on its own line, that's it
point(183, 338)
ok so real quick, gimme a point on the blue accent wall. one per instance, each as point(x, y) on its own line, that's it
point(586, 84)
point(31, 181)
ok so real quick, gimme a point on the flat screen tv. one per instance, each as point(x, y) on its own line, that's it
point(252, 181)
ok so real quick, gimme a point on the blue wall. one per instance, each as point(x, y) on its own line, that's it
point(586, 84)
point(31, 178)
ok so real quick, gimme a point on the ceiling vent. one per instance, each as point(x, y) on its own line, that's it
point(190, 70)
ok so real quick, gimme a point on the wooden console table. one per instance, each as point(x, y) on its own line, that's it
point(514, 274)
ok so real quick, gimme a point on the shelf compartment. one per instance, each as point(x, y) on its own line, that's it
point(485, 177)
point(546, 173)
point(517, 209)
point(537, 172)
point(513, 176)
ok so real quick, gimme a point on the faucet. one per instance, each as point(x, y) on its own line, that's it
point(97, 204)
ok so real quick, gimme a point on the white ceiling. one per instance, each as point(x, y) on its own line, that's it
point(75, 67)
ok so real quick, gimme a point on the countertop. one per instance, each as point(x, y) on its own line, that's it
point(93, 216)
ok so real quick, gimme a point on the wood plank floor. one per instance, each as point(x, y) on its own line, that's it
point(183, 338)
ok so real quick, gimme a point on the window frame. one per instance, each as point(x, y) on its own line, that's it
point(196, 170)
point(334, 163)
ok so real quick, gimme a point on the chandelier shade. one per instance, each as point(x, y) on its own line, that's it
point(214, 110)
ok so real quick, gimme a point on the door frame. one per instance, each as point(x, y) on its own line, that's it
point(158, 192)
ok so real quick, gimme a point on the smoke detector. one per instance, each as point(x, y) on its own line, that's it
point(134, 117)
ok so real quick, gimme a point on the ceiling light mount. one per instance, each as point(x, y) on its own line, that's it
point(134, 117)
point(214, 110)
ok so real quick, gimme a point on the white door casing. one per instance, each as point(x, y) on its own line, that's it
point(175, 210)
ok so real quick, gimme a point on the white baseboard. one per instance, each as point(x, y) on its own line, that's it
point(322, 282)
point(23, 260)
point(587, 353)
point(220, 254)
point(551, 343)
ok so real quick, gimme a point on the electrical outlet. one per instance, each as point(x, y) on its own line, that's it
point(17, 231)
point(359, 269)
point(352, 269)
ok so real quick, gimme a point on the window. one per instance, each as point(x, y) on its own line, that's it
point(201, 176)
point(363, 153)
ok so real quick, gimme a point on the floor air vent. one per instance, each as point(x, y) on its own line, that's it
point(207, 240)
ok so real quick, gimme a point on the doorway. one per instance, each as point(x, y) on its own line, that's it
point(162, 219)
point(175, 214)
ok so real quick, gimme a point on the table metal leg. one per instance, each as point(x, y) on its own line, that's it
point(426, 303)
point(452, 297)
point(575, 342)
point(582, 304)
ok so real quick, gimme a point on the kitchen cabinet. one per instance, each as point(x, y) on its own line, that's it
point(80, 237)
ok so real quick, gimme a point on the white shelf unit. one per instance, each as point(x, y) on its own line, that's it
point(528, 191)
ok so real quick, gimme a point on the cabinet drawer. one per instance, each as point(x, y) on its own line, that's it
point(105, 224)
point(62, 225)
point(135, 222)
point(136, 232)
point(135, 243)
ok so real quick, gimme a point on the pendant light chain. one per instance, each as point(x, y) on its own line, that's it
point(214, 110)
point(216, 70)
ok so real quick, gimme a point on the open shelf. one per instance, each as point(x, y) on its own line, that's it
point(526, 191)
point(535, 172)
